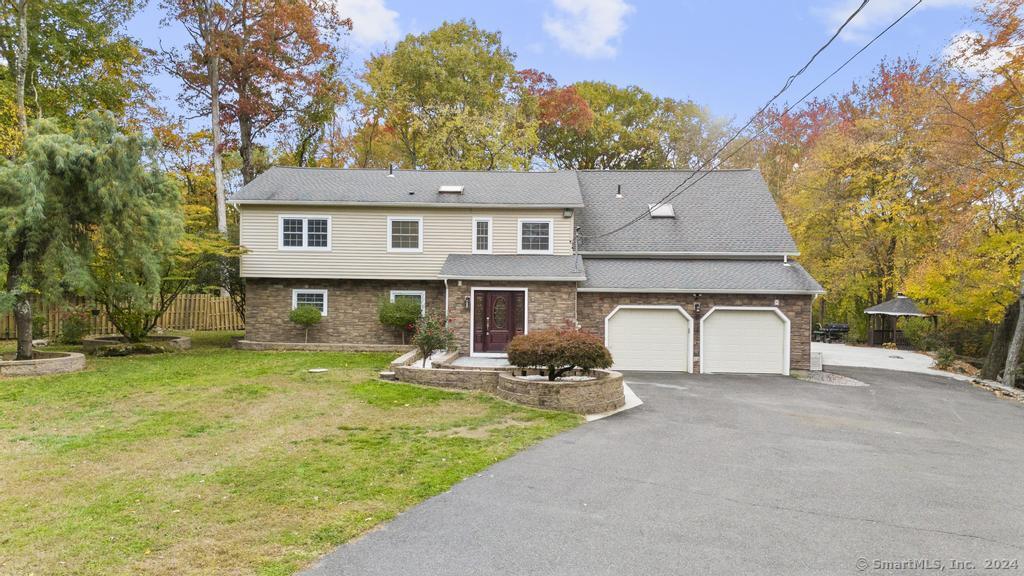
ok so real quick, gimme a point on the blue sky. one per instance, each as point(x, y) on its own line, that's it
point(728, 55)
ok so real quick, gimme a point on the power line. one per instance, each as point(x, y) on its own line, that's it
point(675, 192)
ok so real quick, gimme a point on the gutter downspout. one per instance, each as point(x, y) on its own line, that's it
point(445, 301)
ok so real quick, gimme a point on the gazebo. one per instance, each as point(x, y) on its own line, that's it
point(883, 317)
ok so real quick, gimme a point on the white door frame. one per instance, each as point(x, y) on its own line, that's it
point(472, 316)
point(680, 309)
point(775, 309)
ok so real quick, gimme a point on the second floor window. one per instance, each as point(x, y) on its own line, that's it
point(306, 232)
point(535, 236)
point(405, 234)
point(481, 235)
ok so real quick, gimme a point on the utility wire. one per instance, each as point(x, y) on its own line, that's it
point(679, 189)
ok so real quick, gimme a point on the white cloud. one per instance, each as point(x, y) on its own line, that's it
point(372, 21)
point(590, 28)
point(876, 15)
point(959, 52)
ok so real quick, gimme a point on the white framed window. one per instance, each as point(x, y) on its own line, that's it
point(417, 295)
point(304, 232)
point(405, 234)
point(310, 297)
point(482, 235)
point(535, 236)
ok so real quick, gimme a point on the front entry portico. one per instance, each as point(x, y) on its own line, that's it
point(499, 314)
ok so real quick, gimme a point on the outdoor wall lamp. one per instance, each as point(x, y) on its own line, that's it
point(696, 307)
point(465, 303)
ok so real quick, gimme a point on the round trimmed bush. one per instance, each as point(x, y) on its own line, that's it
point(558, 351)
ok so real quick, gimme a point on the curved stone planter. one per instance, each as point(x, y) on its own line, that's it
point(44, 363)
point(602, 394)
point(171, 343)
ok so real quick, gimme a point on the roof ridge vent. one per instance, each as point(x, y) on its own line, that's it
point(450, 189)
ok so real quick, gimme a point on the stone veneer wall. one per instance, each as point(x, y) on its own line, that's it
point(351, 309)
point(594, 307)
point(549, 305)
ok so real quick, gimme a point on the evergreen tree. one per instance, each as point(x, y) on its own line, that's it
point(72, 196)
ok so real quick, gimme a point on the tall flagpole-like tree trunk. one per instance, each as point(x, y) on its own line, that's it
point(1013, 356)
point(209, 33)
point(22, 307)
point(21, 63)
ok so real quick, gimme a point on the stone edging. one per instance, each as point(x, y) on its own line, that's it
point(44, 363)
point(91, 344)
point(319, 346)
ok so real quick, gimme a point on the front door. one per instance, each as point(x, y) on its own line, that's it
point(499, 316)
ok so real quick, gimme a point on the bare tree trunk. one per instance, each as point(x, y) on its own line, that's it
point(1000, 344)
point(1013, 356)
point(218, 166)
point(22, 306)
point(245, 147)
point(21, 63)
point(208, 30)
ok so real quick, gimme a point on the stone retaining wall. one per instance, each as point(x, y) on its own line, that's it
point(44, 363)
point(93, 343)
point(603, 394)
point(320, 346)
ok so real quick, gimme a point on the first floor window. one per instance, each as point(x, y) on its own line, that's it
point(405, 234)
point(308, 297)
point(418, 296)
point(535, 236)
point(299, 232)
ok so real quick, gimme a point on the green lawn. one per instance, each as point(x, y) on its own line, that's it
point(218, 461)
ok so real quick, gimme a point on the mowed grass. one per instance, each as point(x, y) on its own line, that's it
point(219, 461)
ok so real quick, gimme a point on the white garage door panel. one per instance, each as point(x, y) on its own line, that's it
point(744, 341)
point(649, 339)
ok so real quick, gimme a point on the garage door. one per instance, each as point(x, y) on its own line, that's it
point(744, 341)
point(649, 339)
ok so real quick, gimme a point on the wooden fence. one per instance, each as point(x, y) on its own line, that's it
point(188, 312)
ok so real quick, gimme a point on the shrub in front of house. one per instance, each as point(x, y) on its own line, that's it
point(402, 315)
point(432, 334)
point(306, 317)
point(558, 351)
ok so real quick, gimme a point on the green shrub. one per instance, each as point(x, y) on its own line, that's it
point(944, 358)
point(558, 351)
point(432, 334)
point(39, 323)
point(402, 314)
point(306, 316)
point(74, 327)
point(920, 332)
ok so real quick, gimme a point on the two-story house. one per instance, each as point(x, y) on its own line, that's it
point(702, 283)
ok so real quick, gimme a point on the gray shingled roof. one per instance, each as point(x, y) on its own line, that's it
point(508, 266)
point(727, 211)
point(341, 186)
point(898, 306)
point(741, 276)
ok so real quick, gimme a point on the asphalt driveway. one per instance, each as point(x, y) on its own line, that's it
point(736, 475)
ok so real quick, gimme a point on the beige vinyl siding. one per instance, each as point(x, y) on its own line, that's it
point(359, 240)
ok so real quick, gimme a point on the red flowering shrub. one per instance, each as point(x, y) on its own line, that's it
point(558, 351)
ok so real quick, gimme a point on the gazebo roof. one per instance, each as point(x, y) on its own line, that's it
point(898, 306)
